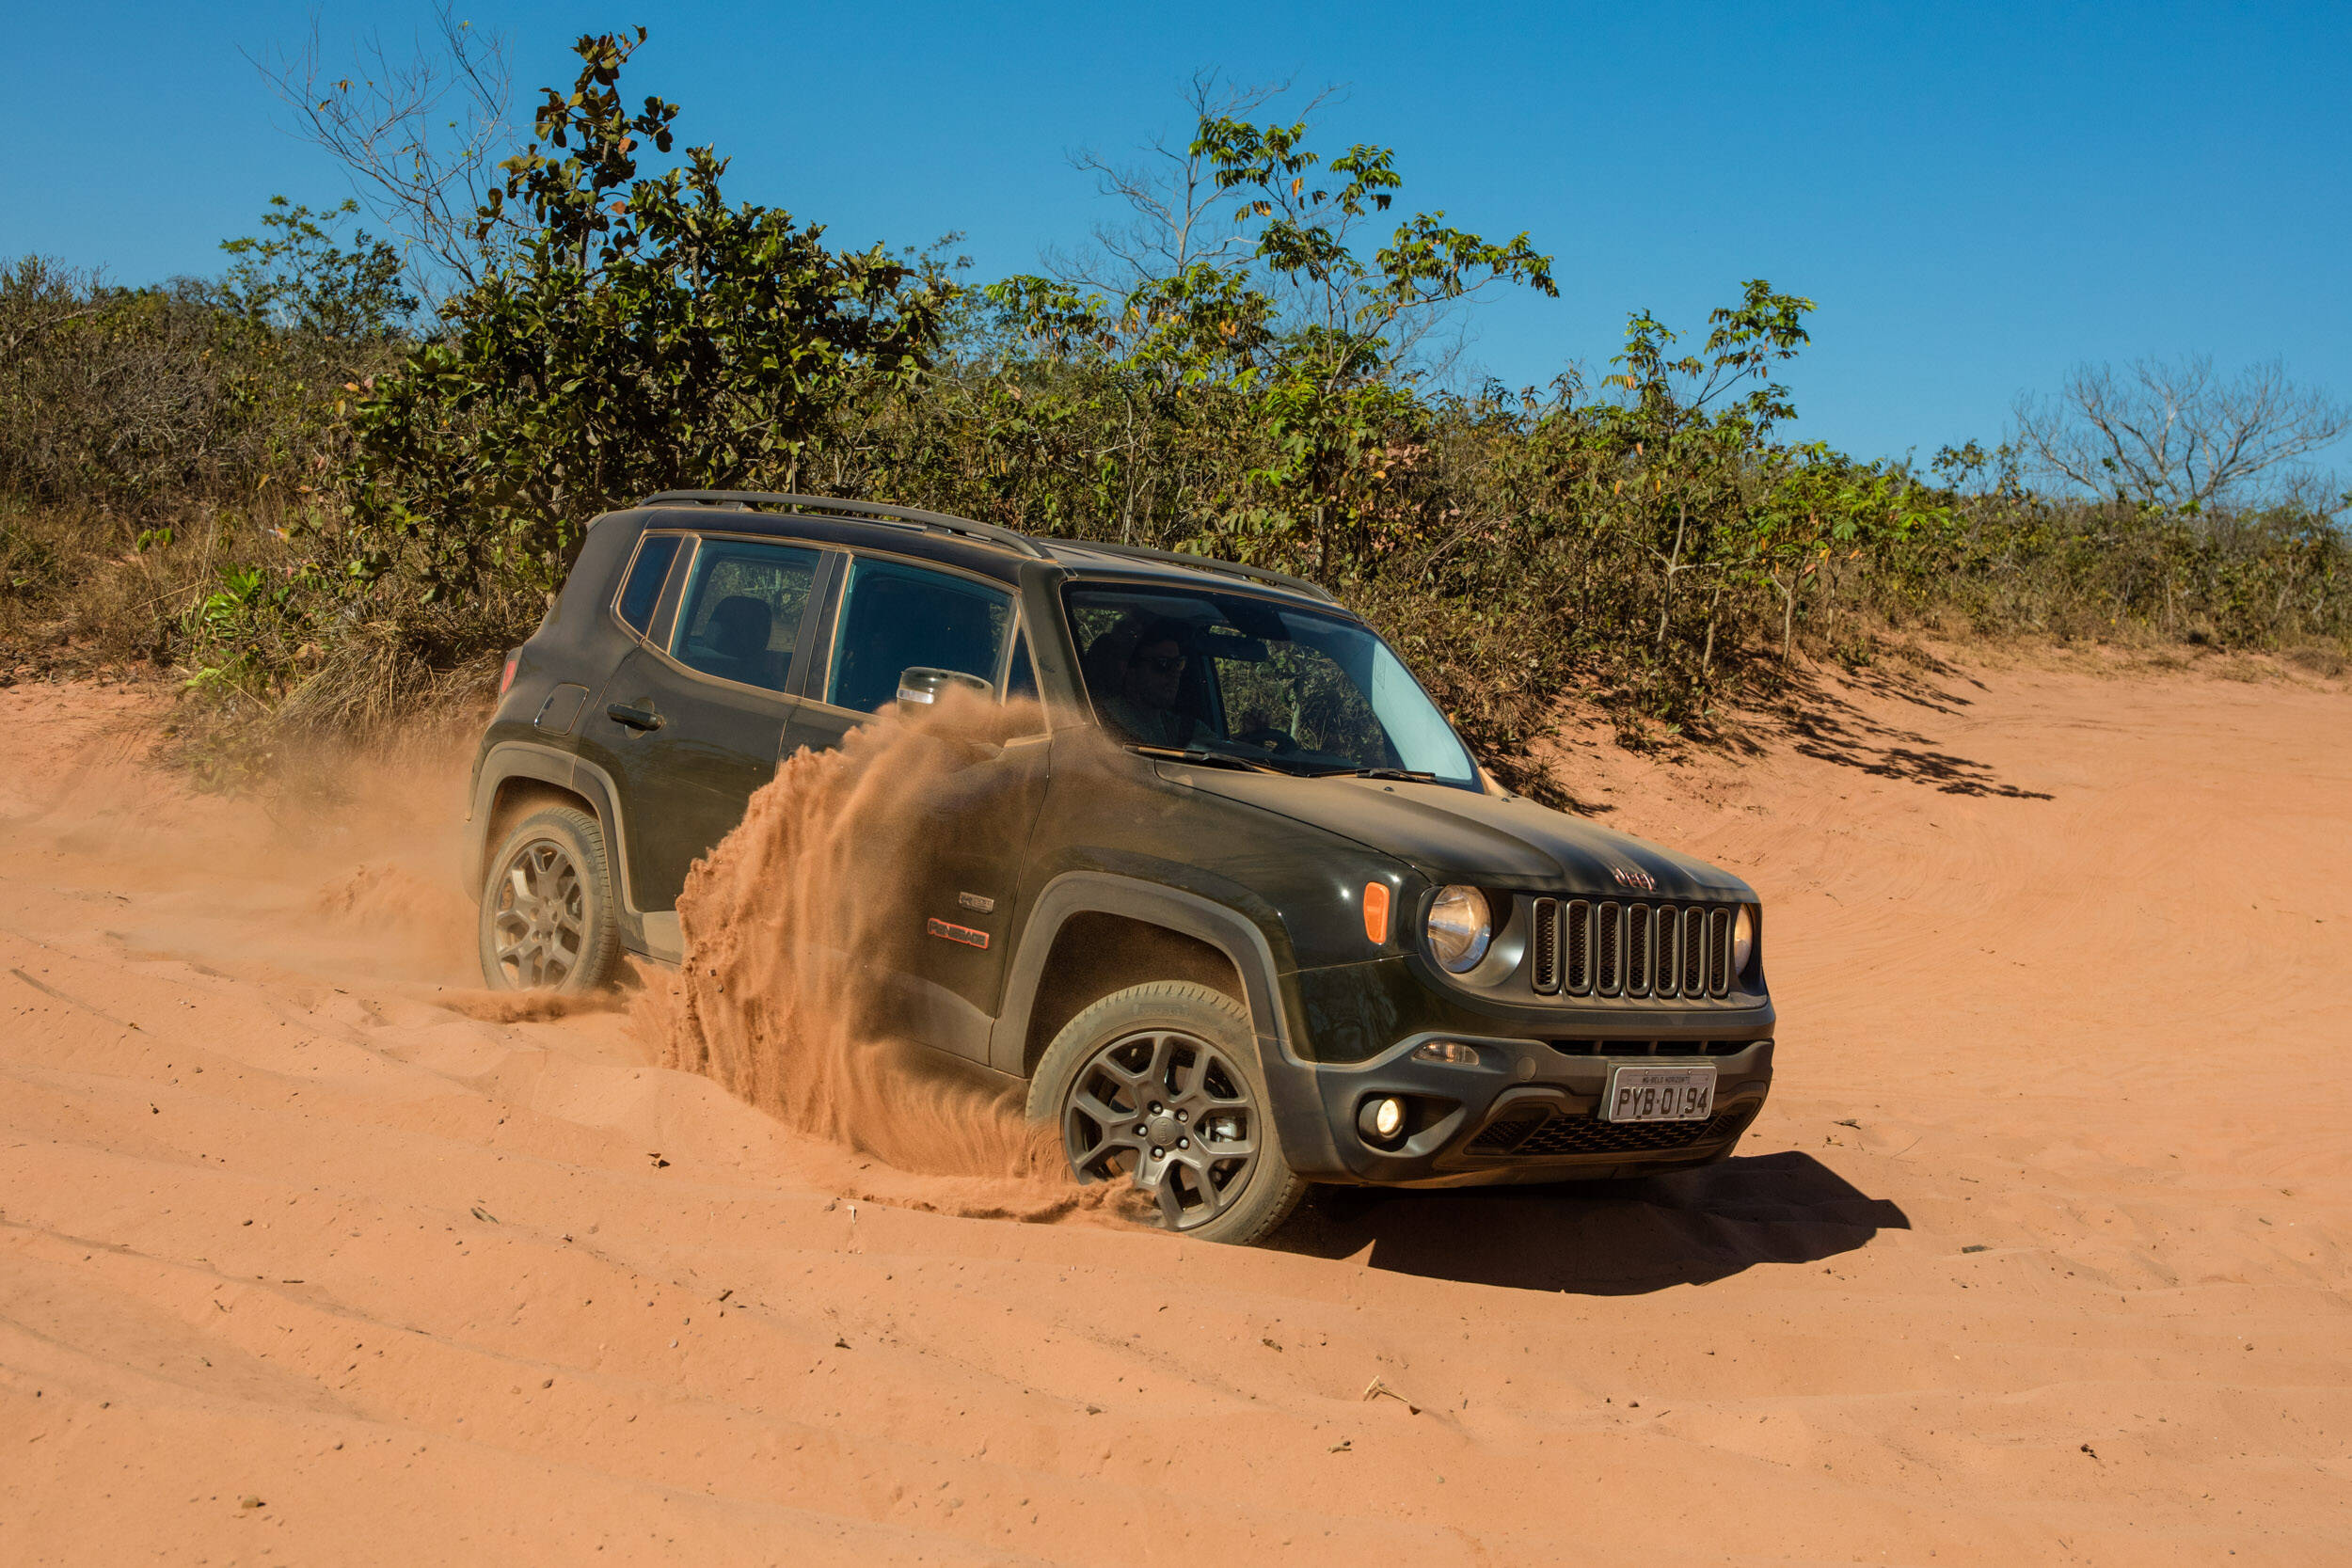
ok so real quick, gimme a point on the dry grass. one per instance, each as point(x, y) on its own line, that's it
point(80, 596)
point(77, 592)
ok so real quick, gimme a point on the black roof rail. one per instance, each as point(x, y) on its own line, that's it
point(1204, 564)
point(986, 533)
point(820, 505)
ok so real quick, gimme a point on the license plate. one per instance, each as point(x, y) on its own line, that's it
point(1659, 1094)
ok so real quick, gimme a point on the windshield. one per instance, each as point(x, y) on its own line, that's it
point(1242, 678)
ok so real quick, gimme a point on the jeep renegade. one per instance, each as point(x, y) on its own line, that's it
point(1243, 915)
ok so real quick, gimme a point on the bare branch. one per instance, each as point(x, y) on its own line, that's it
point(1179, 218)
point(2176, 434)
point(419, 134)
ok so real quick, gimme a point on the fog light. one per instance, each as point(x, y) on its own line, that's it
point(1451, 1052)
point(1382, 1119)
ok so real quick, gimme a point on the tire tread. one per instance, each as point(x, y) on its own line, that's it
point(600, 957)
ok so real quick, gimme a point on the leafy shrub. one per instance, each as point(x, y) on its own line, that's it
point(324, 510)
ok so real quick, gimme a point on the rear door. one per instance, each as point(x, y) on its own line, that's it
point(692, 719)
point(961, 888)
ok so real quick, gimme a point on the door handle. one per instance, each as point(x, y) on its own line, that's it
point(633, 717)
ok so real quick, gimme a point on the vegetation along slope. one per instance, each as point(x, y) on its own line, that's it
point(332, 482)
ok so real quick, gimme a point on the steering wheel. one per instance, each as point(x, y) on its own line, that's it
point(1266, 738)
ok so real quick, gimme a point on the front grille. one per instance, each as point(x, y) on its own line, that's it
point(1532, 1138)
point(1580, 947)
point(1502, 1134)
point(1546, 949)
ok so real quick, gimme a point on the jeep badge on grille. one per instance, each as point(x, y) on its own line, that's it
point(1633, 878)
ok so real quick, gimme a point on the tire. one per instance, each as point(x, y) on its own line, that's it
point(548, 915)
point(1188, 1053)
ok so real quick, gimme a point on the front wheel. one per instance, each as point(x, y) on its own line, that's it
point(1159, 1084)
point(547, 911)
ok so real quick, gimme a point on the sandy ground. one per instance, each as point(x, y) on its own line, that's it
point(2038, 1256)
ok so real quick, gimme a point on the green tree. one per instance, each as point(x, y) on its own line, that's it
point(1295, 344)
point(1691, 438)
point(645, 335)
point(299, 276)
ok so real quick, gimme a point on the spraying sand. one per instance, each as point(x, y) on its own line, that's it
point(787, 922)
point(2039, 1254)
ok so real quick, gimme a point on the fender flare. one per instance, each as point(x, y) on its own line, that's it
point(1296, 1108)
point(522, 759)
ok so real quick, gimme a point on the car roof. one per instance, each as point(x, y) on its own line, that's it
point(960, 541)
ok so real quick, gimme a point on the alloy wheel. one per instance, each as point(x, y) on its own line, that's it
point(1166, 1109)
point(540, 922)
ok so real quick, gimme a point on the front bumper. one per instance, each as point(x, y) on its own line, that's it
point(1530, 1110)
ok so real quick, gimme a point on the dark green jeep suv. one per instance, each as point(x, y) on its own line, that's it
point(1242, 913)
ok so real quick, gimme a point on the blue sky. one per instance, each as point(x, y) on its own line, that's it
point(1978, 198)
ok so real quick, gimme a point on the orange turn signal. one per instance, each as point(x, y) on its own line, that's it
point(1376, 912)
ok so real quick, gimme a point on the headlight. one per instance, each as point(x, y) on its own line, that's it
point(1742, 941)
point(1459, 928)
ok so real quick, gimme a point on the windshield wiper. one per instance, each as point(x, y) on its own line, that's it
point(1378, 774)
point(1200, 754)
point(1264, 765)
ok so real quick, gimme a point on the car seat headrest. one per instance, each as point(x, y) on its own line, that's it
point(739, 626)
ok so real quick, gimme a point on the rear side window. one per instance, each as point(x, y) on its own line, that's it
point(643, 590)
point(1021, 677)
point(742, 612)
point(897, 616)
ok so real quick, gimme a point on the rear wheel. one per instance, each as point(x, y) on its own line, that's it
point(547, 909)
point(1159, 1084)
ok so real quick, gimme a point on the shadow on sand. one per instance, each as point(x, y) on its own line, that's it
point(1813, 712)
point(1603, 1238)
point(1826, 726)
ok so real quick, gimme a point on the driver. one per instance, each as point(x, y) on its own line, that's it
point(1151, 681)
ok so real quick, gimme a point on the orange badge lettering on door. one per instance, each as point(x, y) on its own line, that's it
point(963, 934)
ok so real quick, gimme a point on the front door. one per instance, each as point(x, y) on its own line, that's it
point(689, 726)
point(977, 803)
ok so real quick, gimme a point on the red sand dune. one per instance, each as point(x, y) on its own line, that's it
point(2038, 1256)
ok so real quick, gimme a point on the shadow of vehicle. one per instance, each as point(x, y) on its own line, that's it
point(1603, 1237)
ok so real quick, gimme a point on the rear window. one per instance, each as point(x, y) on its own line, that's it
point(643, 590)
point(742, 612)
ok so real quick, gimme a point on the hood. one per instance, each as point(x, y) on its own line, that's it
point(1452, 835)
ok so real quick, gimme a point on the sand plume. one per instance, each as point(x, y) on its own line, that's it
point(789, 923)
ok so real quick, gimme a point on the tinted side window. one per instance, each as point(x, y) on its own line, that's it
point(742, 610)
point(1021, 678)
point(642, 590)
point(896, 616)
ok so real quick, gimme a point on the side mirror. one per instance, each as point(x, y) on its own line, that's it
point(920, 686)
